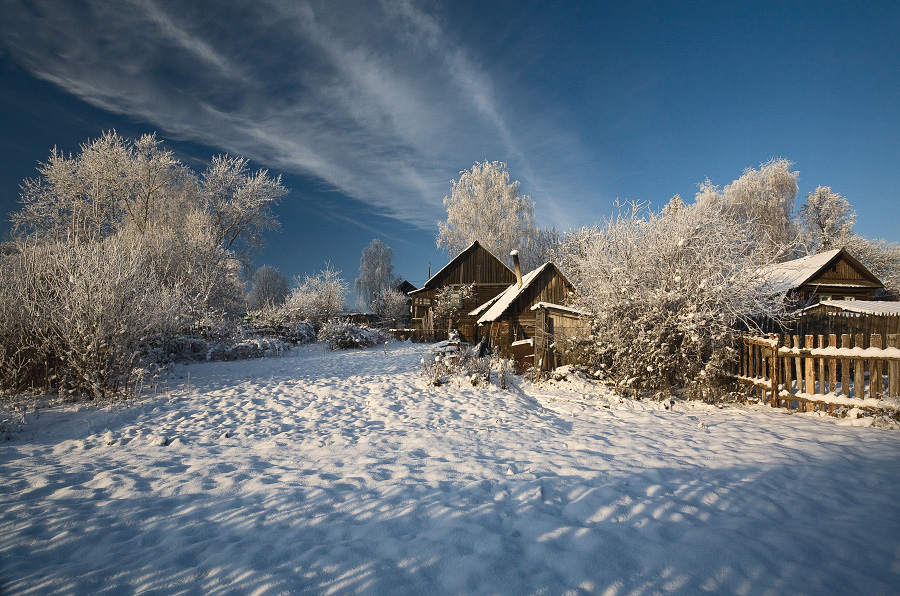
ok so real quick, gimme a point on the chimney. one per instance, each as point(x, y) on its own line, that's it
point(515, 255)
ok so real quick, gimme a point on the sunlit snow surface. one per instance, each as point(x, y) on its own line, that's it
point(346, 473)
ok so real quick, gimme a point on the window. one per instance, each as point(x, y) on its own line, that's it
point(849, 297)
point(455, 297)
point(824, 298)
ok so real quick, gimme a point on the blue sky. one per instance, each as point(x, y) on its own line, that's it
point(368, 109)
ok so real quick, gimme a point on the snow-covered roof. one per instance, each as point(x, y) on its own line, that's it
point(793, 274)
point(478, 311)
point(503, 300)
point(869, 307)
point(560, 307)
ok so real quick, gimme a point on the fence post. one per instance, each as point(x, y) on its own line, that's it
point(820, 369)
point(797, 366)
point(876, 383)
point(893, 341)
point(832, 369)
point(859, 371)
point(810, 370)
point(788, 382)
point(774, 369)
point(845, 366)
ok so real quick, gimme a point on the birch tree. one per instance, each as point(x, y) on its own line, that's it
point(376, 273)
point(484, 205)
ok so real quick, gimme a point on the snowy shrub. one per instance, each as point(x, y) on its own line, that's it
point(465, 366)
point(278, 322)
point(317, 298)
point(450, 302)
point(391, 307)
point(244, 349)
point(116, 244)
point(341, 335)
point(664, 290)
point(86, 308)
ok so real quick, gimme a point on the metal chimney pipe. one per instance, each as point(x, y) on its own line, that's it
point(515, 255)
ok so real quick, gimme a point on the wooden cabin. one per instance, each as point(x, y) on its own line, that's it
point(830, 275)
point(475, 265)
point(509, 320)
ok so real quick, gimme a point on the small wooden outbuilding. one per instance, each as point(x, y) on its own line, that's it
point(830, 275)
point(475, 265)
point(509, 321)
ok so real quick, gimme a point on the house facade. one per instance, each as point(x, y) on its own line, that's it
point(830, 275)
point(474, 266)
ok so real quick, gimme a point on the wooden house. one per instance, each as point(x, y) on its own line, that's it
point(475, 265)
point(509, 320)
point(830, 275)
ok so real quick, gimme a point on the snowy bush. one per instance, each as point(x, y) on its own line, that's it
point(450, 302)
point(465, 365)
point(76, 314)
point(665, 289)
point(116, 244)
point(317, 298)
point(391, 307)
point(341, 335)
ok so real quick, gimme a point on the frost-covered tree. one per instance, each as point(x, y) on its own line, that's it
point(764, 198)
point(824, 218)
point(392, 306)
point(376, 273)
point(114, 244)
point(318, 298)
point(484, 205)
point(269, 288)
point(450, 302)
point(110, 185)
point(544, 247)
point(240, 202)
point(664, 291)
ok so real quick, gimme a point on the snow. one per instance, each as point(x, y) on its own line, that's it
point(345, 472)
point(560, 307)
point(793, 274)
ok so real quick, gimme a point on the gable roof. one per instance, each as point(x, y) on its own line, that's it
point(434, 280)
point(498, 306)
point(790, 275)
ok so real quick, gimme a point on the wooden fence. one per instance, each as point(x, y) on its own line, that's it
point(816, 372)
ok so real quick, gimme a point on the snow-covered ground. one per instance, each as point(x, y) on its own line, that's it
point(345, 473)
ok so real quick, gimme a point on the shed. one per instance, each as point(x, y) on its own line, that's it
point(509, 320)
point(474, 265)
point(852, 317)
point(833, 274)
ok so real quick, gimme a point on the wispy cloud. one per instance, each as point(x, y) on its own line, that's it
point(371, 98)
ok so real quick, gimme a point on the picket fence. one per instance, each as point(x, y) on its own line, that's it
point(813, 372)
